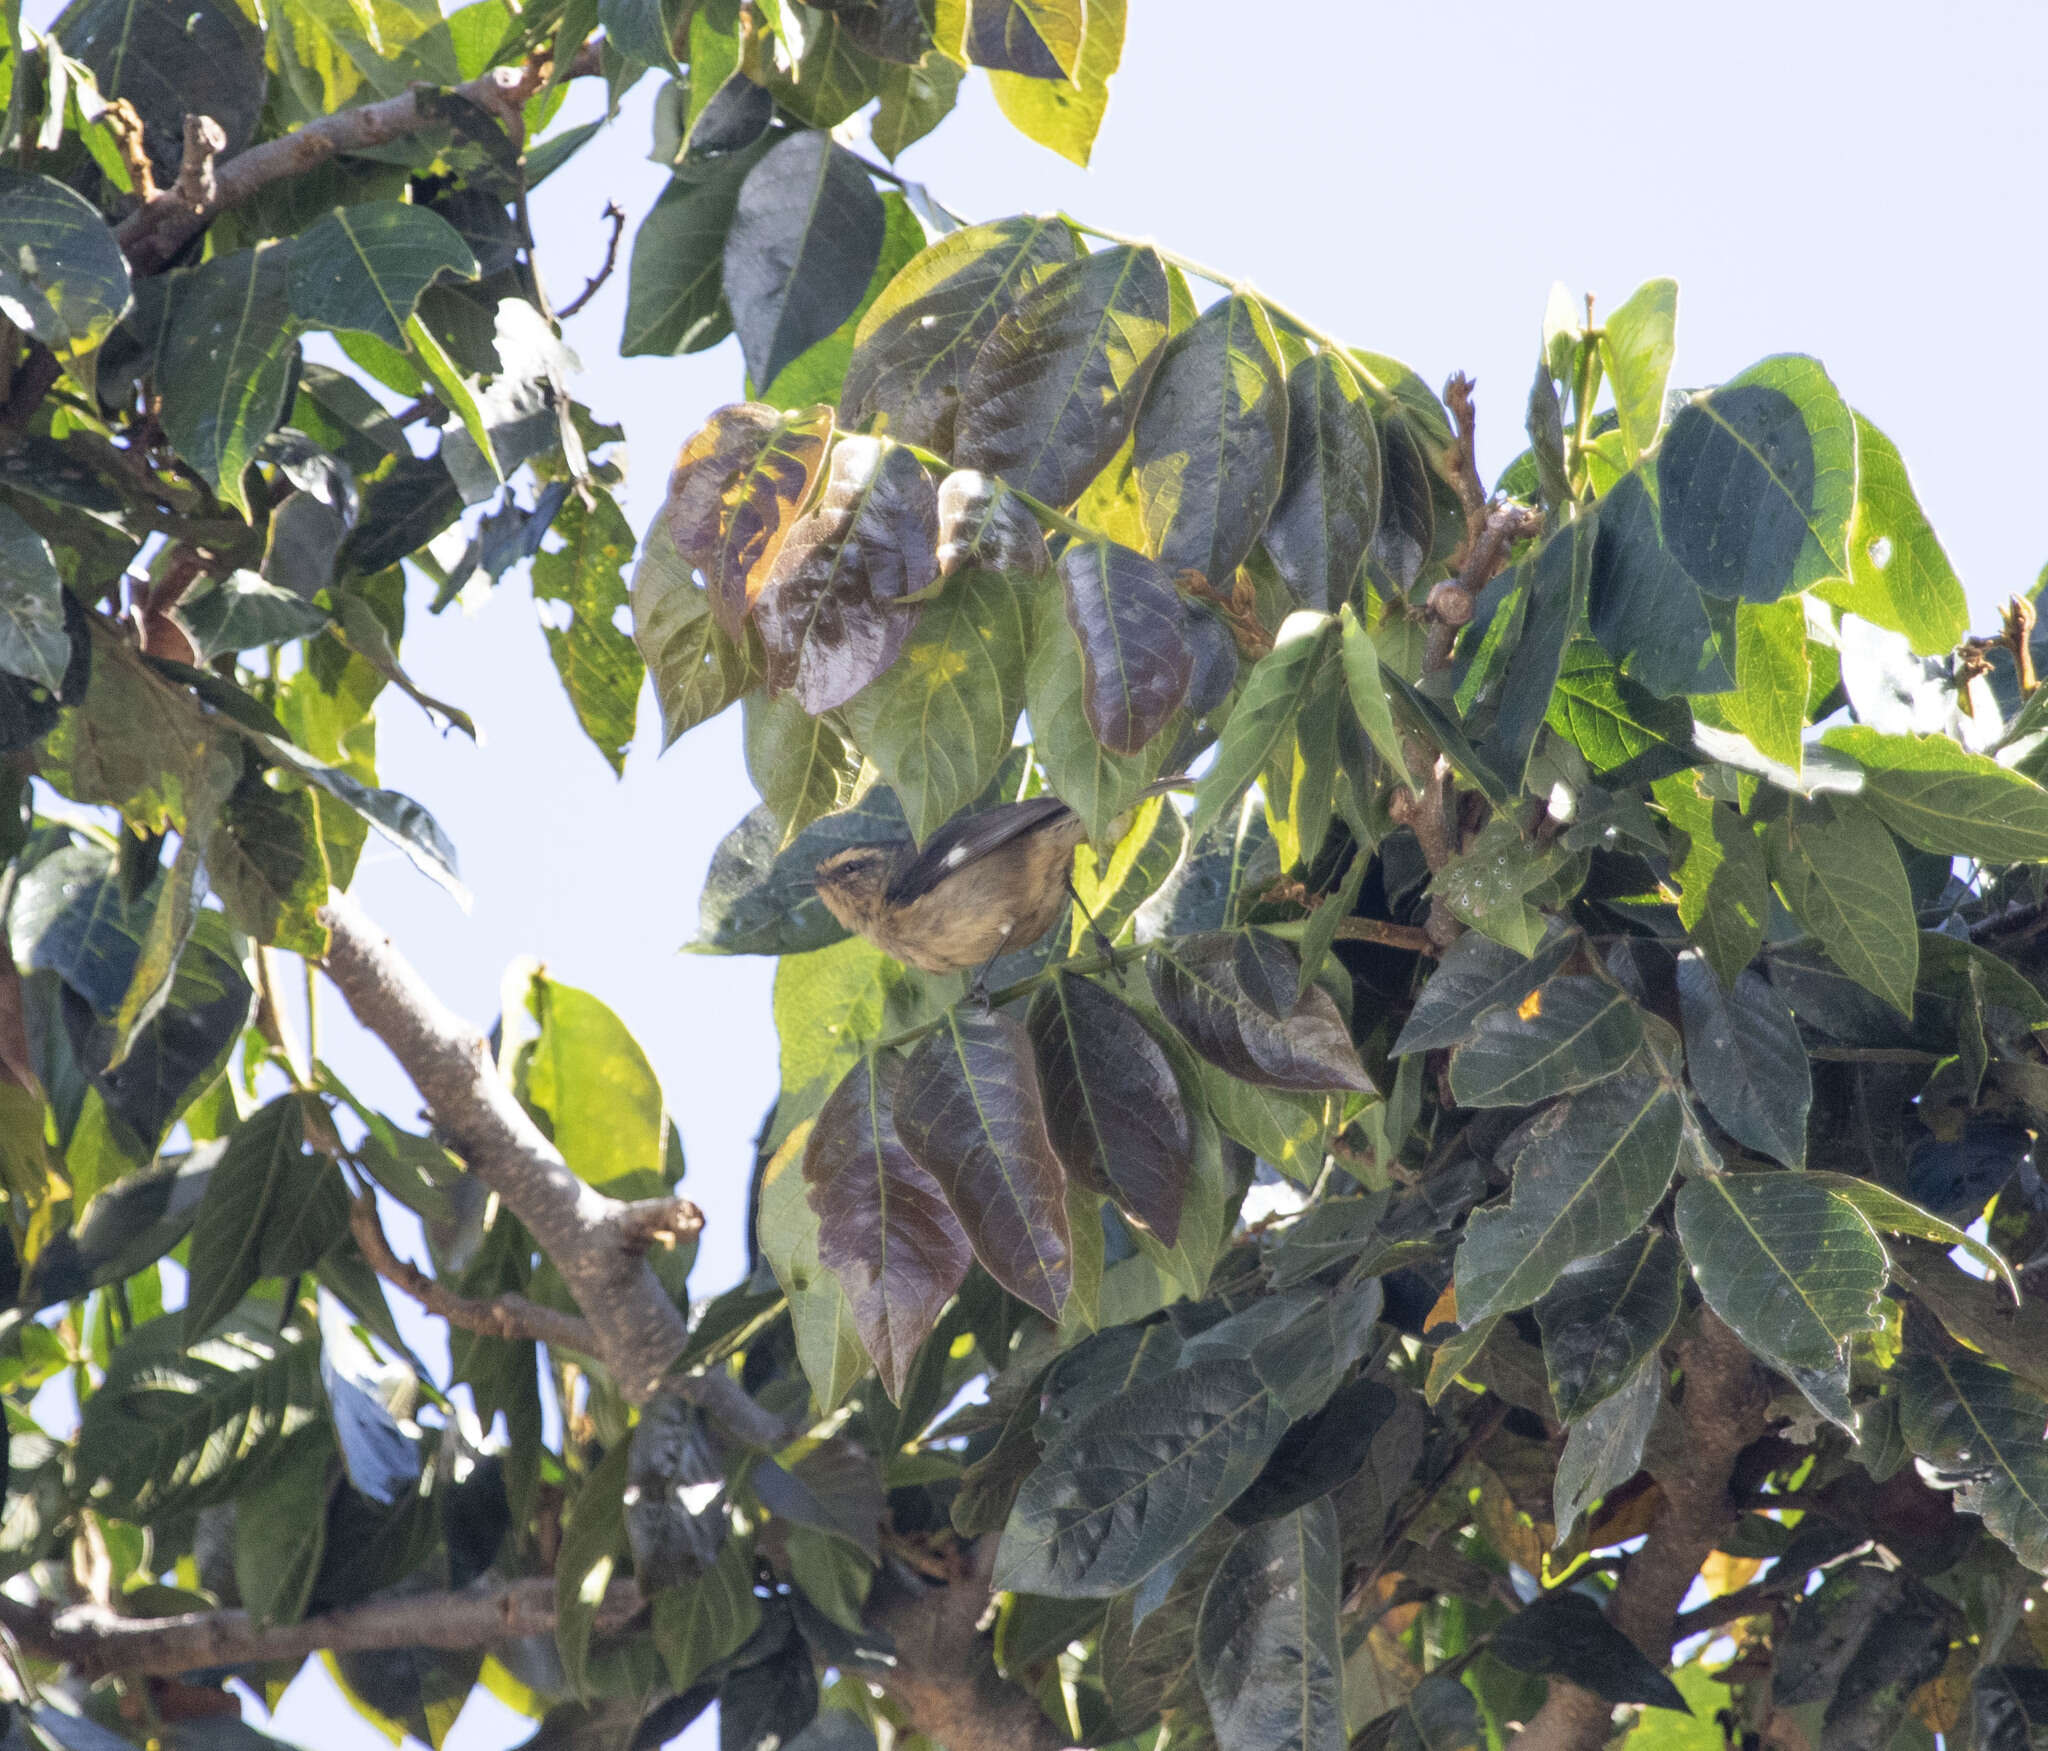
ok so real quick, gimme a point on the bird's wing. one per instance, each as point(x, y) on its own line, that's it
point(967, 837)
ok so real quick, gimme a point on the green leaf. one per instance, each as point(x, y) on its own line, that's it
point(1262, 722)
point(1268, 1648)
point(1757, 481)
point(281, 1534)
point(832, 76)
point(1840, 873)
point(817, 373)
point(1746, 1059)
point(1981, 1427)
point(33, 642)
point(1939, 796)
point(457, 392)
point(1604, 1448)
point(675, 281)
point(1889, 1213)
point(708, 1620)
point(938, 720)
point(206, 60)
point(1209, 441)
point(225, 361)
point(1899, 577)
point(271, 1209)
point(1329, 503)
point(364, 267)
point(884, 1226)
point(592, 1543)
point(828, 1345)
point(1605, 1316)
point(1793, 1269)
point(1137, 1480)
point(804, 239)
point(1724, 888)
point(1566, 1635)
point(1061, 117)
point(1569, 1033)
point(1476, 975)
point(914, 346)
point(1054, 390)
point(1636, 343)
point(983, 523)
point(63, 278)
point(588, 1075)
point(1235, 997)
point(169, 1433)
point(834, 612)
point(1097, 783)
point(266, 862)
point(1627, 734)
point(802, 765)
point(1438, 1715)
point(1040, 39)
point(970, 1111)
point(1558, 579)
point(242, 612)
point(1586, 1174)
point(696, 669)
point(643, 30)
point(599, 667)
point(914, 100)
point(1136, 661)
point(1773, 678)
point(171, 921)
point(1489, 884)
point(1640, 601)
point(828, 1004)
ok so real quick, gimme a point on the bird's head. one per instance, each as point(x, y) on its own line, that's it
point(852, 883)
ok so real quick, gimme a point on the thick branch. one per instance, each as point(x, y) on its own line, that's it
point(96, 1643)
point(158, 229)
point(1722, 1412)
point(591, 1238)
point(945, 1673)
point(508, 1316)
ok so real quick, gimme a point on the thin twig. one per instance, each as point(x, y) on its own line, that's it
point(617, 215)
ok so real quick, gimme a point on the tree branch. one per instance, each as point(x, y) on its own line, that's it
point(508, 1316)
point(97, 1643)
point(162, 226)
point(591, 1238)
point(617, 215)
point(1722, 1412)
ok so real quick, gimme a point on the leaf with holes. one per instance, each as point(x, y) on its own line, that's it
point(1112, 1103)
point(1053, 391)
point(1899, 577)
point(832, 613)
point(1586, 1174)
point(1794, 1270)
point(884, 1227)
point(970, 1112)
point(1199, 984)
point(599, 667)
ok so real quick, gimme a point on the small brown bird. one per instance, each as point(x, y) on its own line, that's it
point(983, 885)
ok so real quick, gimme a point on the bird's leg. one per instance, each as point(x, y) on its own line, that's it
point(976, 994)
point(1104, 946)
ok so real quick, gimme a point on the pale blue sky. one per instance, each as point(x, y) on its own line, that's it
point(1859, 181)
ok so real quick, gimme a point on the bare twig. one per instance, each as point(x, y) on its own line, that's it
point(1463, 462)
point(196, 185)
point(125, 124)
point(96, 1642)
point(508, 1316)
point(617, 215)
point(162, 226)
point(1722, 1411)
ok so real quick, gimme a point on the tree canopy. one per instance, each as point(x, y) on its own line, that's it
point(1506, 1212)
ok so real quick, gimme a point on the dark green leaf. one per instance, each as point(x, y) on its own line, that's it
point(832, 613)
point(1636, 342)
point(1135, 657)
point(1724, 890)
point(1439, 1715)
point(1746, 1059)
point(265, 861)
point(1899, 577)
point(760, 898)
point(969, 1111)
point(1794, 1270)
point(1209, 441)
point(1095, 783)
point(1268, 1648)
point(1053, 391)
point(364, 267)
point(915, 344)
point(281, 1533)
point(1138, 1479)
point(884, 1227)
point(1604, 1316)
point(804, 238)
point(696, 669)
point(817, 373)
point(1558, 579)
point(1981, 1429)
point(1642, 604)
point(1329, 503)
point(708, 1620)
point(803, 766)
point(832, 75)
point(1040, 39)
point(1841, 876)
point(1406, 536)
point(599, 667)
point(1891, 1214)
point(225, 363)
point(1476, 975)
point(591, 1545)
point(1112, 1104)
point(675, 283)
point(1604, 1447)
point(1197, 983)
point(645, 31)
point(914, 100)
point(33, 641)
point(1628, 735)
point(1936, 794)
point(1566, 1635)
point(63, 278)
point(1586, 1175)
point(241, 611)
point(1758, 479)
point(205, 60)
point(1569, 1033)
point(938, 720)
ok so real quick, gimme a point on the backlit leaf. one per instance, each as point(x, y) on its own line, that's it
point(587, 1073)
point(1065, 117)
point(63, 277)
point(1724, 888)
point(696, 669)
point(1040, 39)
point(1636, 342)
point(1899, 577)
point(599, 666)
point(1938, 795)
point(1263, 722)
point(828, 1346)
point(1628, 735)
